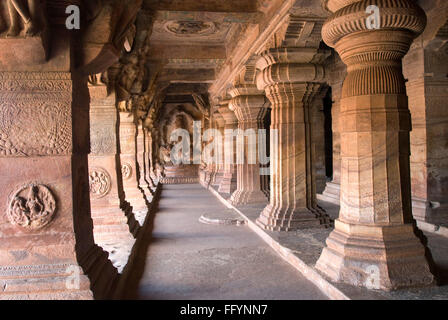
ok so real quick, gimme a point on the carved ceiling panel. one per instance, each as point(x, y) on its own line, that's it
point(190, 30)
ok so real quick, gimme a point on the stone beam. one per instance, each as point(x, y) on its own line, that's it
point(160, 51)
point(219, 17)
point(188, 75)
point(186, 89)
point(207, 5)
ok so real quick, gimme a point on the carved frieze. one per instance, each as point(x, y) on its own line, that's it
point(35, 114)
point(99, 183)
point(32, 207)
point(102, 139)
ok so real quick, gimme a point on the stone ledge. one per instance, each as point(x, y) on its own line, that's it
point(301, 249)
point(433, 228)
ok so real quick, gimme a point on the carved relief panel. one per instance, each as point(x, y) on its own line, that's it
point(35, 114)
point(99, 182)
point(32, 207)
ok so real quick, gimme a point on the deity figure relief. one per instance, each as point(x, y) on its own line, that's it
point(30, 12)
point(32, 207)
point(99, 183)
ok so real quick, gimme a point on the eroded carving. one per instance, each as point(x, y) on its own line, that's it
point(102, 140)
point(194, 28)
point(99, 182)
point(126, 171)
point(32, 207)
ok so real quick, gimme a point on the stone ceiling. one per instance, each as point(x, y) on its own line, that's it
point(191, 39)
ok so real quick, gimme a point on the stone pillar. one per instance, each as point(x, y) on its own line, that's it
point(337, 76)
point(318, 138)
point(110, 224)
point(374, 242)
point(228, 182)
point(207, 167)
point(249, 105)
point(46, 230)
point(129, 168)
point(426, 70)
point(219, 167)
point(147, 157)
point(141, 164)
point(291, 79)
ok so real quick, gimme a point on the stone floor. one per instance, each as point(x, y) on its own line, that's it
point(184, 259)
point(306, 246)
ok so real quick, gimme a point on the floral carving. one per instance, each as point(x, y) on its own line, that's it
point(32, 207)
point(190, 28)
point(99, 182)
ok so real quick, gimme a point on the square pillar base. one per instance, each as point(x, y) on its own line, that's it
point(376, 257)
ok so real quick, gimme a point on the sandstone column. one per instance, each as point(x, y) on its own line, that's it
point(374, 243)
point(129, 167)
point(219, 125)
point(141, 163)
point(318, 138)
point(426, 69)
point(228, 182)
point(206, 166)
point(110, 224)
point(147, 157)
point(291, 79)
point(249, 105)
point(337, 75)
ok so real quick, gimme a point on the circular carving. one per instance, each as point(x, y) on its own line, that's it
point(32, 207)
point(190, 28)
point(126, 171)
point(99, 182)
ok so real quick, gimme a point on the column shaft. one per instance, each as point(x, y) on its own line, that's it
point(250, 108)
point(291, 88)
point(129, 168)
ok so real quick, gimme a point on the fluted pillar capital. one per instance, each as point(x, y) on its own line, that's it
point(248, 103)
point(290, 65)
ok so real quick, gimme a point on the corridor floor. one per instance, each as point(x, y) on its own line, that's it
point(186, 259)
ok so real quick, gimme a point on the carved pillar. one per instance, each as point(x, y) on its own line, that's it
point(249, 106)
point(46, 231)
point(374, 243)
point(425, 68)
point(141, 164)
point(228, 182)
point(318, 139)
point(153, 155)
point(147, 158)
point(291, 79)
point(337, 76)
point(129, 167)
point(110, 227)
point(219, 167)
point(209, 170)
